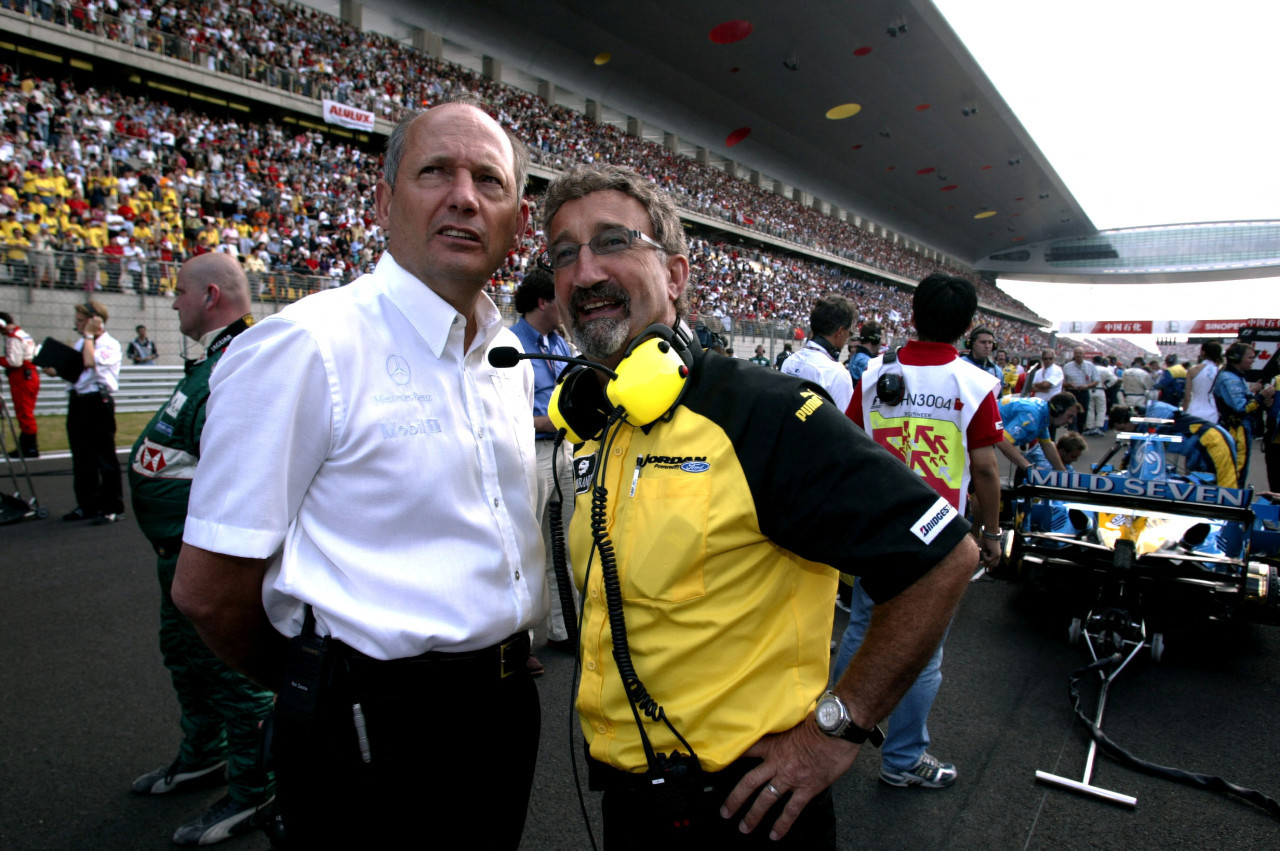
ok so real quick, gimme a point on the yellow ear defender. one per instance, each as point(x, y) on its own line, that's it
point(650, 379)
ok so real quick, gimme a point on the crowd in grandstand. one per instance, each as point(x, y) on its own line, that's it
point(117, 185)
point(321, 57)
point(114, 183)
point(123, 184)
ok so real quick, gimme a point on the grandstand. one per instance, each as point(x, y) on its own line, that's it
point(111, 186)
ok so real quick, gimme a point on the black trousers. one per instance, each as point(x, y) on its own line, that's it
point(635, 821)
point(451, 750)
point(1082, 398)
point(95, 468)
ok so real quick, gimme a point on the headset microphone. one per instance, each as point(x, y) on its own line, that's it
point(505, 357)
point(647, 384)
point(578, 406)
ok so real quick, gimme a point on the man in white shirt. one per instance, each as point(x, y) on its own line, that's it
point(1135, 384)
point(1049, 377)
point(1080, 377)
point(1198, 400)
point(91, 421)
point(367, 486)
point(830, 324)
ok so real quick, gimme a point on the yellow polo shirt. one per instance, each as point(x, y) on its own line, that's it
point(744, 501)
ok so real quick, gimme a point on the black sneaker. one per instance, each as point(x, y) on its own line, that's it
point(76, 513)
point(106, 519)
point(167, 779)
point(225, 819)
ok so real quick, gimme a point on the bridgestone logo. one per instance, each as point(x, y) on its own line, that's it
point(933, 521)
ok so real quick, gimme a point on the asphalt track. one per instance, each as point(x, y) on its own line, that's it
point(85, 706)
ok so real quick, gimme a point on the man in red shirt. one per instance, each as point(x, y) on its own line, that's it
point(24, 382)
point(114, 252)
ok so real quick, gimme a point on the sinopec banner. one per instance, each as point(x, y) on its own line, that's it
point(1202, 327)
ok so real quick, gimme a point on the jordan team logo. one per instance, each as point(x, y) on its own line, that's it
point(398, 369)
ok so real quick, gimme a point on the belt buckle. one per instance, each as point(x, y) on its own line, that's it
point(503, 670)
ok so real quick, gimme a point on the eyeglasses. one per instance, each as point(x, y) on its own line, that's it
point(611, 241)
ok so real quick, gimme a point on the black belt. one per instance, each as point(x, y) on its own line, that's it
point(498, 661)
point(602, 777)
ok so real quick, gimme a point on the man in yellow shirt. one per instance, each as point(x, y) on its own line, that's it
point(142, 230)
point(708, 576)
point(46, 188)
point(209, 237)
point(11, 227)
point(96, 235)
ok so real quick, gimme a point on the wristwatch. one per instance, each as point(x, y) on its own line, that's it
point(833, 719)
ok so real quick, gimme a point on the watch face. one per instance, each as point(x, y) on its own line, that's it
point(827, 714)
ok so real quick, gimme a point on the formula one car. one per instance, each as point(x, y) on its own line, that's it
point(1148, 545)
point(1144, 545)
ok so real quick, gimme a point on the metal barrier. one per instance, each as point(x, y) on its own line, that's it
point(142, 388)
point(95, 271)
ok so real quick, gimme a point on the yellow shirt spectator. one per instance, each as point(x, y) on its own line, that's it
point(15, 247)
point(96, 235)
point(73, 230)
point(46, 187)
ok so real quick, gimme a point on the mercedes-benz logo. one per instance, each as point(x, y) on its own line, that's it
point(398, 369)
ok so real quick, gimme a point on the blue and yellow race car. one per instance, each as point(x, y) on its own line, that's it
point(1144, 545)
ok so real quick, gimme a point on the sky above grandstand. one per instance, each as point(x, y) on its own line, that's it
point(1151, 112)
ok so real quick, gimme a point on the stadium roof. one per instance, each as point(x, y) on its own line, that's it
point(932, 151)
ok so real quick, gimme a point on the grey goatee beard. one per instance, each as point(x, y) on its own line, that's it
point(600, 339)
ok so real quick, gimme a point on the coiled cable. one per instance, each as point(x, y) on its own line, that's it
point(1201, 781)
point(560, 548)
point(637, 695)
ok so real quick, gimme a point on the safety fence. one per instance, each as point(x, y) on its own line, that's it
point(96, 271)
point(142, 388)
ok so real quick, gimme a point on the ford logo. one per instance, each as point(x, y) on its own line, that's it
point(695, 466)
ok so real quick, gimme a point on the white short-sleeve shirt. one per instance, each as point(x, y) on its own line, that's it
point(390, 476)
point(1053, 374)
point(105, 374)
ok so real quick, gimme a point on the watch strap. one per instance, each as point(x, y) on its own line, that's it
point(857, 735)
